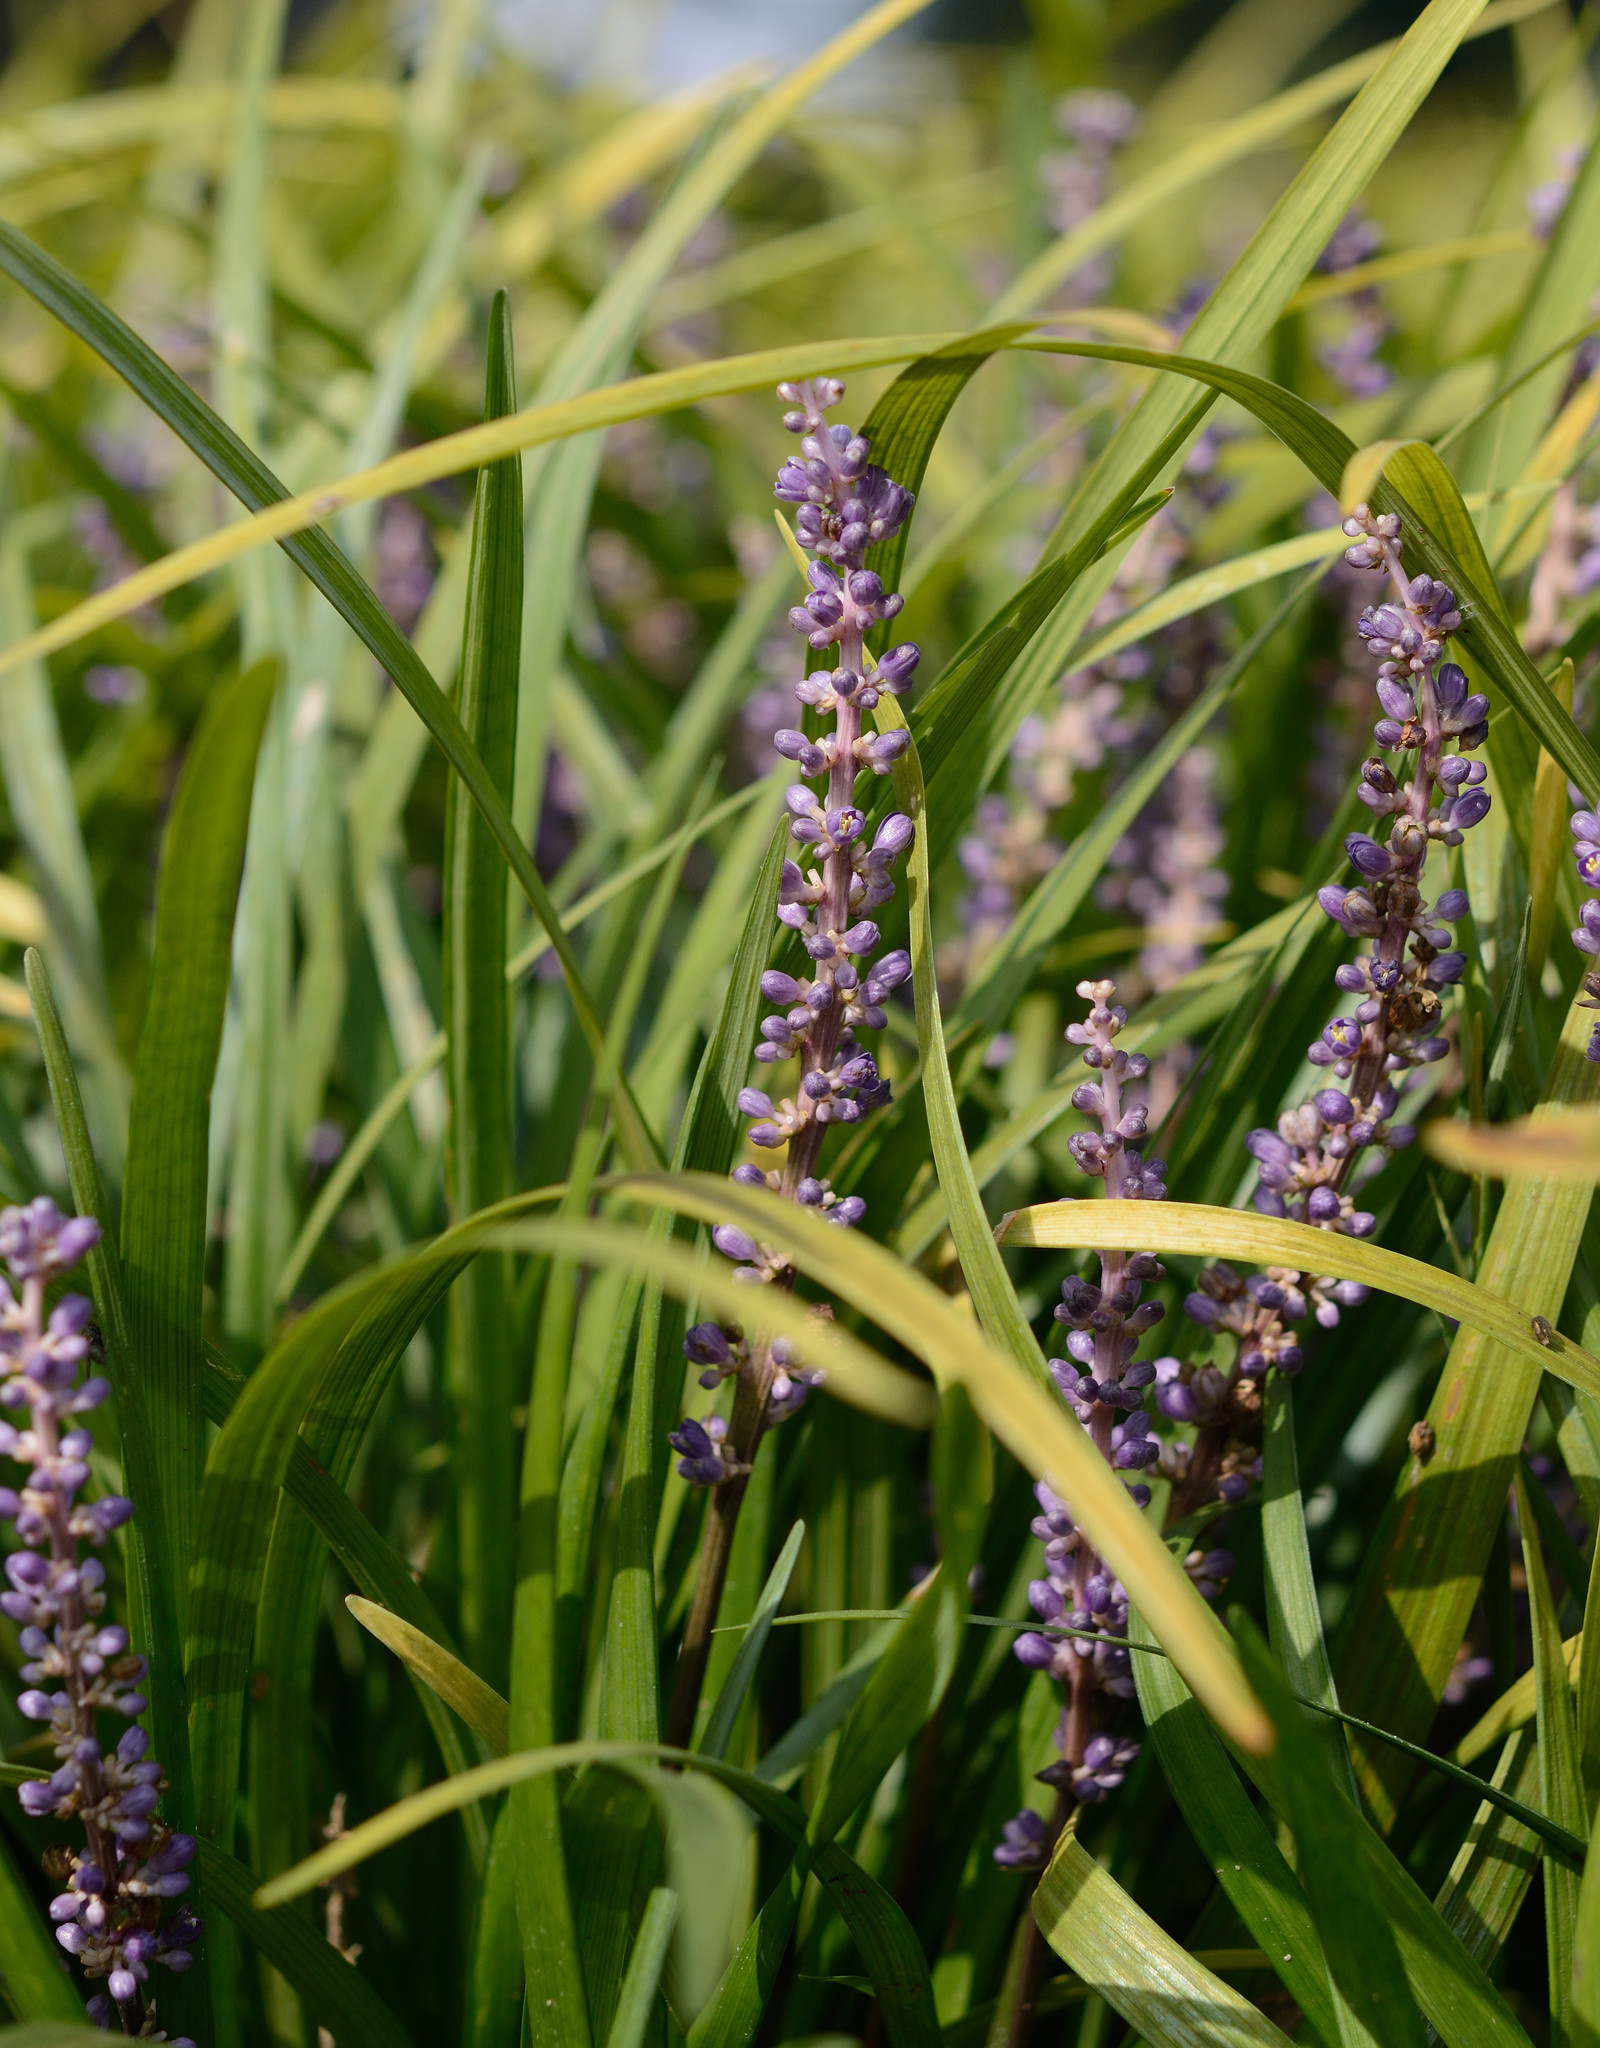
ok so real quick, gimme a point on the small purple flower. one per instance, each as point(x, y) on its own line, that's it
point(1022, 1843)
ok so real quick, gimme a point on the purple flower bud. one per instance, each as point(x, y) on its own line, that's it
point(1451, 905)
point(1367, 854)
point(896, 667)
point(894, 835)
point(1466, 810)
point(733, 1243)
point(707, 1344)
point(1450, 685)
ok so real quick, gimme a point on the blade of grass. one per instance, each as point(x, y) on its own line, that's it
point(1556, 1146)
point(1325, 450)
point(1560, 1773)
point(992, 1293)
point(1233, 323)
point(1232, 1233)
point(1294, 1620)
point(1233, 1837)
point(1421, 1573)
point(334, 1991)
point(291, 520)
point(1480, 1899)
point(725, 1711)
point(254, 484)
point(479, 1354)
point(1213, 151)
point(32, 1975)
point(636, 2003)
point(1134, 1965)
point(458, 1685)
point(1015, 1408)
point(1007, 970)
point(493, 2017)
point(1515, 1706)
point(906, 1687)
point(1357, 1936)
point(1584, 2008)
point(38, 783)
point(373, 1566)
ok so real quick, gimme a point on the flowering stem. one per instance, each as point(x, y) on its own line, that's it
point(845, 506)
point(109, 1914)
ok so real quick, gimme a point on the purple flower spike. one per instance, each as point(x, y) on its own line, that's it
point(126, 1862)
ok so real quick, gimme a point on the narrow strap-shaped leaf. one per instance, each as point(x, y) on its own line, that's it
point(1294, 1621)
point(1557, 298)
point(1356, 1936)
point(349, 1340)
point(636, 2001)
point(334, 1991)
point(1422, 1570)
point(725, 1711)
point(1584, 2007)
point(479, 1705)
point(1032, 1424)
point(331, 571)
point(906, 1687)
point(1498, 1859)
point(886, 1939)
point(888, 1945)
point(734, 2016)
point(33, 1972)
point(1560, 1773)
point(1233, 1837)
point(1007, 969)
point(1233, 1233)
point(1215, 147)
point(993, 1296)
point(945, 715)
point(578, 1509)
point(1134, 1965)
point(379, 1573)
point(1515, 1707)
point(164, 1197)
point(407, 1815)
point(1325, 450)
point(1588, 1700)
point(902, 427)
point(49, 2034)
point(1451, 1988)
point(480, 1365)
point(1238, 316)
point(493, 2017)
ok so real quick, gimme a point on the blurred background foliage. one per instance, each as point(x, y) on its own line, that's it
point(306, 210)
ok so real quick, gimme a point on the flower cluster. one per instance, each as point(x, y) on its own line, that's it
point(846, 504)
point(108, 1913)
point(1306, 1166)
point(1104, 1383)
point(1586, 936)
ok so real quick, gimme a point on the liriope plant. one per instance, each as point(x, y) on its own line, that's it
point(588, 1022)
